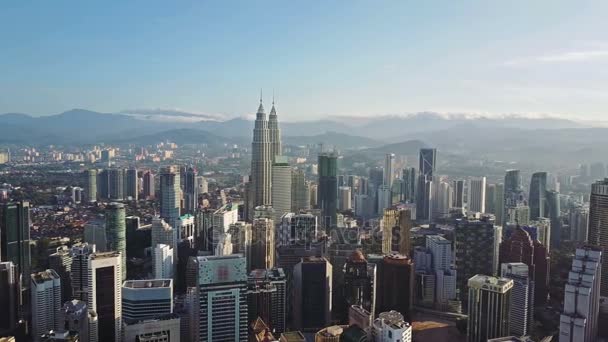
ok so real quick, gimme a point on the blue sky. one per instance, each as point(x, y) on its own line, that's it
point(347, 58)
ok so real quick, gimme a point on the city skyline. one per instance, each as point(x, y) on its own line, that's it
point(211, 58)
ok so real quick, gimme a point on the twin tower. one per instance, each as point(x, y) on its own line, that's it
point(265, 147)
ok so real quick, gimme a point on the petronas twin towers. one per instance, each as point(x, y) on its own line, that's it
point(265, 147)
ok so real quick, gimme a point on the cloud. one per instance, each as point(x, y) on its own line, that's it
point(563, 57)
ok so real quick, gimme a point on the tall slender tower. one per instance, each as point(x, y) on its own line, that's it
point(274, 133)
point(170, 195)
point(261, 161)
point(116, 233)
point(428, 159)
point(598, 226)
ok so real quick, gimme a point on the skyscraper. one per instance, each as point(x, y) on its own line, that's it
point(10, 297)
point(267, 297)
point(445, 273)
point(312, 278)
point(477, 195)
point(79, 270)
point(458, 197)
point(522, 297)
point(46, 302)
point(359, 282)
point(300, 192)
point(76, 317)
point(554, 214)
point(262, 244)
point(537, 199)
point(426, 169)
point(15, 237)
point(116, 233)
point(163, 261)
point(598, 226)
point(408, 185)
point(261, 161)
point(220, 288)
point(513, 198)
point(327, 192)
point(148, 185)
point(344, 194)
point(116, 184)
point(489, 307)
point(274, 133)
point(190, 190)
point(388, 175)
point(103, 291)
point(131, 184)
point(170, 195)
point(147, 299)
point(579, 319)
point(61, 262)
point(281, 187)
point(395, 289)
point(476, 246)
point(91, 185)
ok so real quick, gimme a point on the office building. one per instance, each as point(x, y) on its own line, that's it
point(408, 185)
point(426, 169)
point(262, 244)
point(579, 319)
point(95, 233)
point(554, 214)
point(220, 284)
point(116, 233)
point(61, 262)
point(15, 237)
point(359, 282)
point(519, 247)
point(598, 229)
point(163, 233)
point(327, 191)
point(476, 199)
point(537, 198)
point(103, 289)
point(147, 299)
point(267, 297)
point(75, 317)
point(384, 198)
point(513, 199)
point(163, 261)
point(396, 226)
point(222, 219)
point(344, 195)
point(458, 194)
point(522, 297)
point(312, 278)
point(79, 269)
point(489, 307)
point(281, 187)
point(578, 217)
point(45, 302)
point(189, 189)
point(148, 190)
point(395, 288)
point(116, 184)
point(390, 326)
point(170, 195)
point(476, 246)
point(261, 162)
point(388, 174)
point(300, 191)
point(131, 184)
point(90, 189)
point(10, 297)
point(441, 199)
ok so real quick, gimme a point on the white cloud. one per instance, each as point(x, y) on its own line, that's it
point(563, 57)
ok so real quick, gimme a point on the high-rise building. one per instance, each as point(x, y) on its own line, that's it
point(163, 233)
point(408, 185)
point(274, 133)
point(131, 184)
point(327, 192)
point(190, 190)
point(499, 203)
point(146, 299)
point(163, 261)
point(15, 237)
point(61, 262)
point(579, 320)
point(519, 247)
point(116, 184)
point(384, 197)
point(46, 302)
point(426, 169)
point(395, 287)
point(458, 196)
point(441, 199)
point(598, 225)
point(513, 198)
point(537, 199)
point(554, 214)
point(300, 193)
point(476, 246)
point(312, 278)
point(390, 326)
point(578, 217)
point(489, 307)
point(396, 226)
point(388, 175)
point(103, 289)
point(477, 195)
point(116, 233)
point(267, 297)
point(344, 195)
point(262, 244)
point(103, 184)
point(281, 187)
point(148, 191)
point(359, 282)
point(74, 316)
point(445, 274)
point(10, 297)
point(95, 234)
point(170, 195)
point(522, 297)
point(297, 229)
point(220, 285)
point(261, 162)
point(91, 185)
point(491, 198)
point(165, 328)
point(79, 270)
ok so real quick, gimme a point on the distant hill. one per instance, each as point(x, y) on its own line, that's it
point(179, 136)
point(338, 140)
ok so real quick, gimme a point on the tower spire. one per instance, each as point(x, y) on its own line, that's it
point(260, 95)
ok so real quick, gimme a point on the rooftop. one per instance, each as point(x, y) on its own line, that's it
point(41, 277)
point(148, 284)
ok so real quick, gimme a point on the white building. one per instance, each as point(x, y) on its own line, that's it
point(46, 302)
point(522, 297)
point(384, 198)
point(222, 219)
point(578, 321)
point(476, 199)
point(146, 299)
point(391, 327)
point(281, 187)
point(104, 284)
point(163, 261)
point(344, 198)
